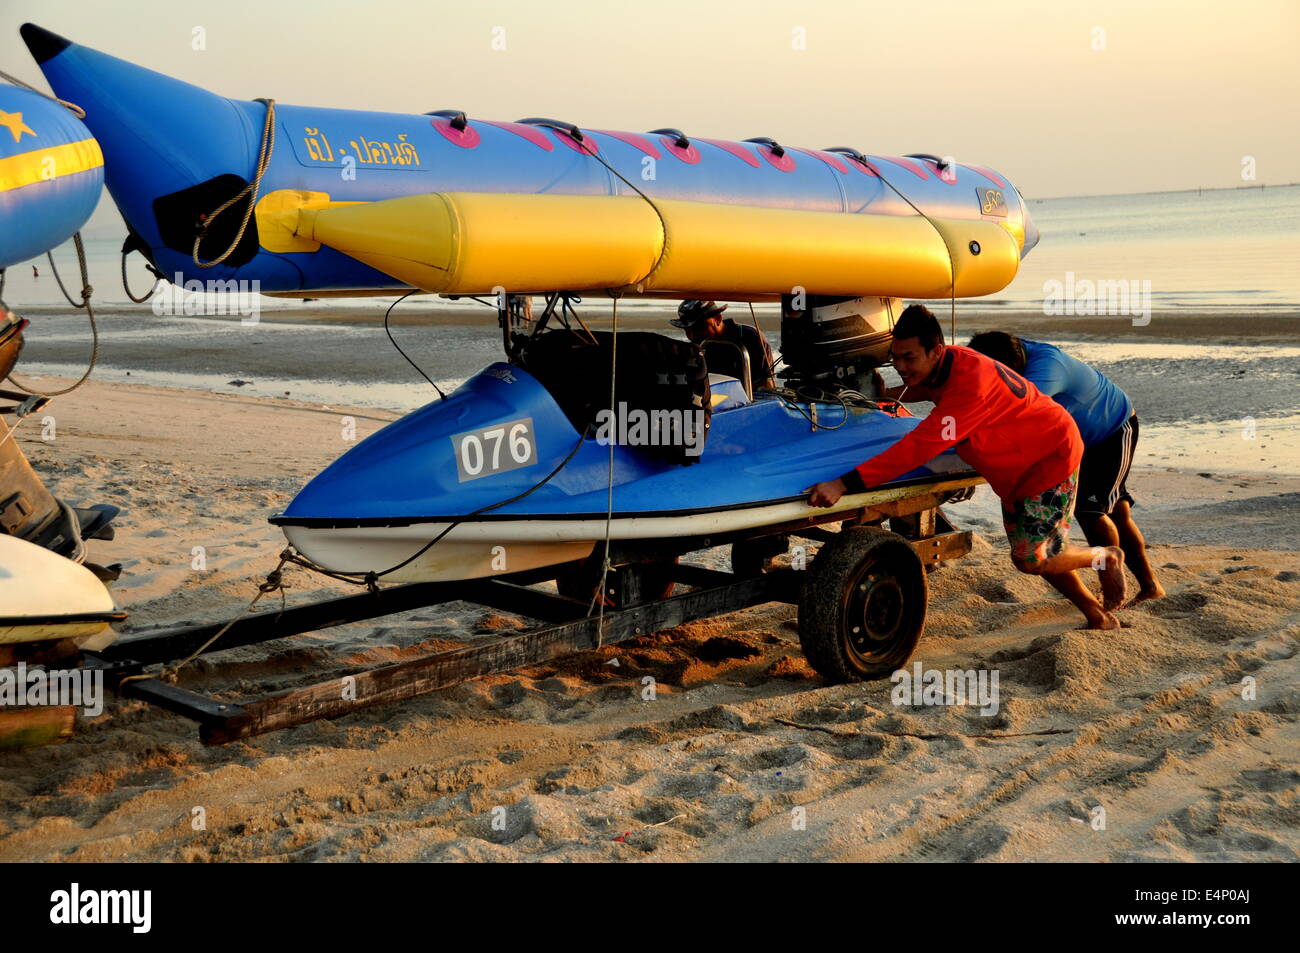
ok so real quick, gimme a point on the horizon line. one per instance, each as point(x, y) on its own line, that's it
point(1215, 188)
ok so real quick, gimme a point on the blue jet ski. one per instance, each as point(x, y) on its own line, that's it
point(503, 476)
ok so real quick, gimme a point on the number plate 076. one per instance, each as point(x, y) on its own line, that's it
point(495, 449)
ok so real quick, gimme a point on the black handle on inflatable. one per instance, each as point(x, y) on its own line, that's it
point(458, 118)
point(939, 163)
point(566, 127)
point(777, 149)
point(851, 153)
point(679, 137)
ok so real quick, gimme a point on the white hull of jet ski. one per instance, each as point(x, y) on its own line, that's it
point(473, 550)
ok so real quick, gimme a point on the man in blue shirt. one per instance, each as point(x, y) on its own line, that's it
point(1109, 428)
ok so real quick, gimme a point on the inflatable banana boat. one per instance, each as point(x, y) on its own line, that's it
point(357, 202)
point(51, 174)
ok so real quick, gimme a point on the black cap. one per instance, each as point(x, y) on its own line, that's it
point(43, 44)
point(693, 311)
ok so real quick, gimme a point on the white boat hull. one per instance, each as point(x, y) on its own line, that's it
point(45, 597)
point(473, 550)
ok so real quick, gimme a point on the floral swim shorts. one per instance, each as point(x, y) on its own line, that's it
point(1038, 527)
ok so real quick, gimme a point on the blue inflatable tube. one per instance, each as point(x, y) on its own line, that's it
point(51, 174)
point(175, 152)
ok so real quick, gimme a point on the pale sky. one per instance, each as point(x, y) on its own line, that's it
point(1182, 91)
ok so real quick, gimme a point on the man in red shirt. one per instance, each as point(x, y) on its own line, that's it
point(1025, 444)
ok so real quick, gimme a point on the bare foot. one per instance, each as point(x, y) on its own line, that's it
point(1103, 620)
point(1156, 591)
point(1114, 587)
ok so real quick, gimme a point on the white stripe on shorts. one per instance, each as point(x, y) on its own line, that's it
point(1124, 462)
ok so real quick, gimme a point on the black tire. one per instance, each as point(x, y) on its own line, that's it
point(862, 609)
point(749, 557)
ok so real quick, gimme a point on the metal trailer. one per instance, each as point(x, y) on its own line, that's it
point(861, 610)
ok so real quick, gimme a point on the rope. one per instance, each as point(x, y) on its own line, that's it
point(599, 596)
point(577, 317)
point(274, 582)
point(71, 107)
point(417, 367)
point(85, 287)
point(663, 223)
point(127, 287)
point(251, 190)
point(10, 431)
point(952, 264)
point(86, 292)
point(790, 399)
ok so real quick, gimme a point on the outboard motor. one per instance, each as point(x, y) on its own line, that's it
point(836, 343)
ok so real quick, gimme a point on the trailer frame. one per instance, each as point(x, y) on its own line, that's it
point(569, 625)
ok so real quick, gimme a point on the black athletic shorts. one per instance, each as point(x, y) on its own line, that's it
point(1103, 474)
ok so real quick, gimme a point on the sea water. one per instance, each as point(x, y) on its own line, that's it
point(1213, 250)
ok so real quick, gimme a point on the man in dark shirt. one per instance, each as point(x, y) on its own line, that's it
point(702, 321)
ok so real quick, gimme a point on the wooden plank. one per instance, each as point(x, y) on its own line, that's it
point(29, 726)
point(893, 501)
point(498, 654)
point(945, 546)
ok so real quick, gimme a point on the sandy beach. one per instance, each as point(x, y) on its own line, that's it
point(1148, 723)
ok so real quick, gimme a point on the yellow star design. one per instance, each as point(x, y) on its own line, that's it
point(14, 123)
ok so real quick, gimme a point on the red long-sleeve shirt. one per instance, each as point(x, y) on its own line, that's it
point(1019, 440)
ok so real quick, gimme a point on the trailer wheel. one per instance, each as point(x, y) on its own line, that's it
point(863, 605)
